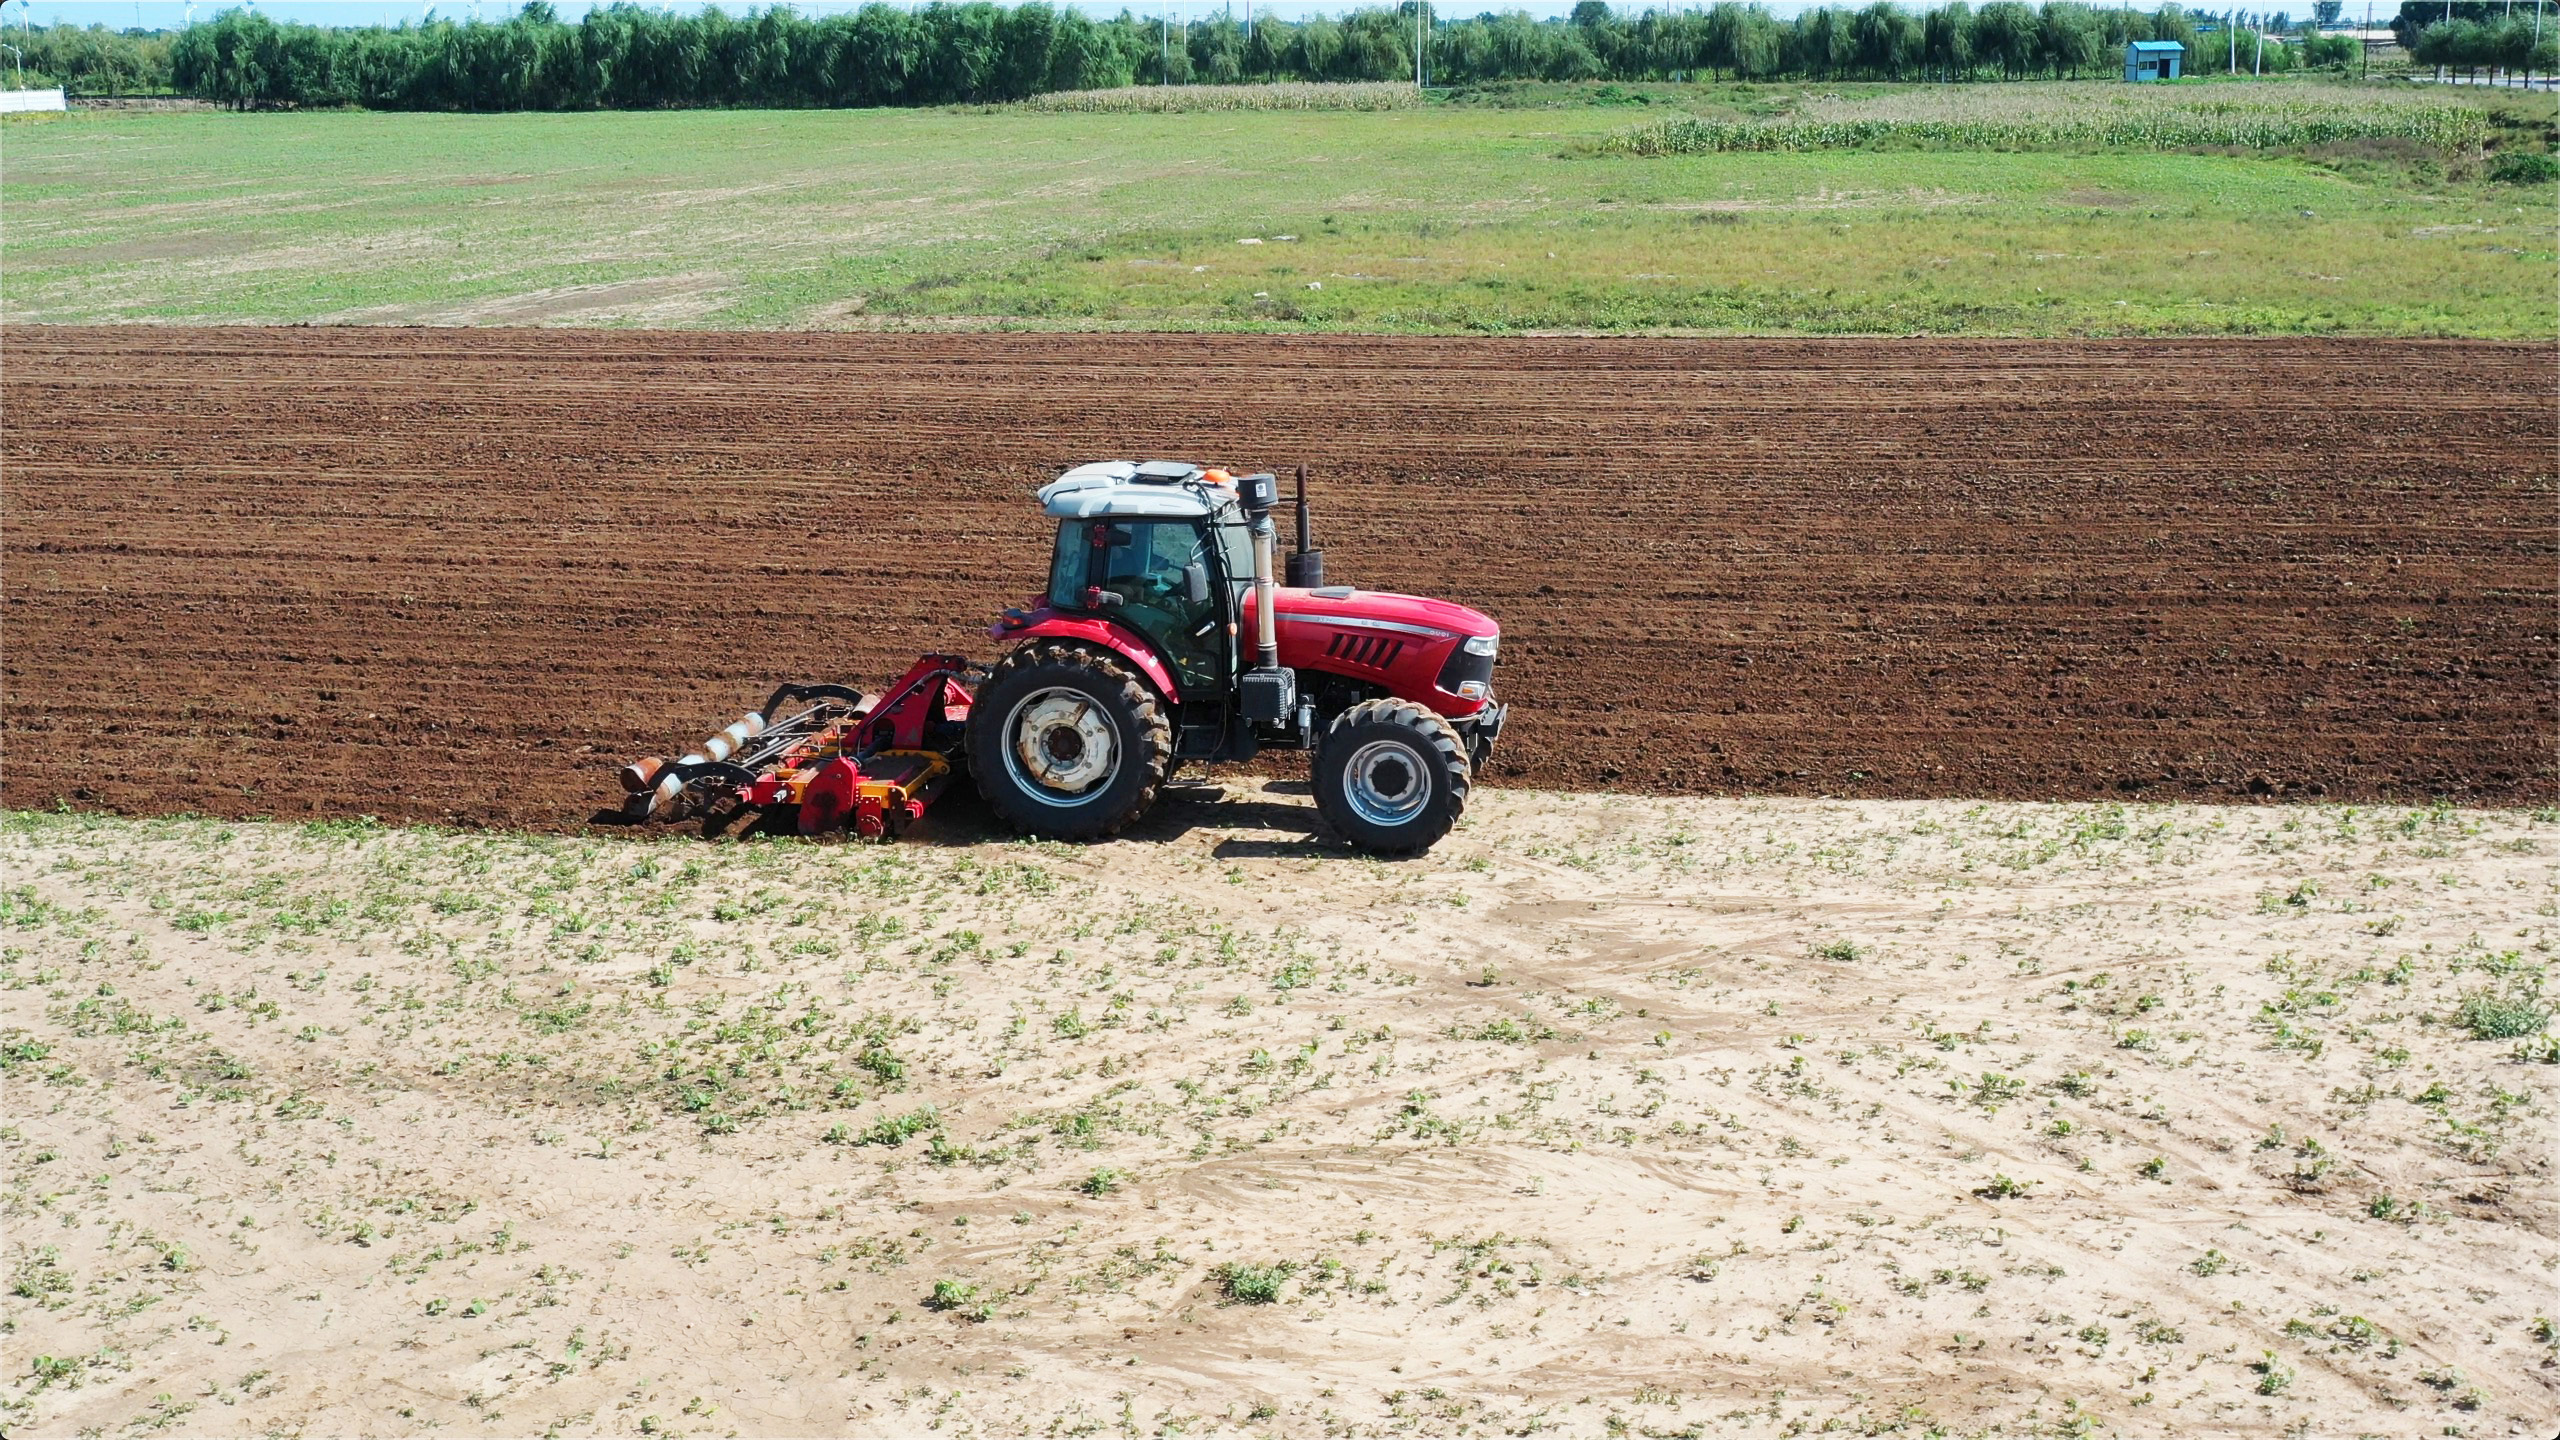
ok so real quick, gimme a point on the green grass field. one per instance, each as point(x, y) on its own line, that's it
point(1449, 218)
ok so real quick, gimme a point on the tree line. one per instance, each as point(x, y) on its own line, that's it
point(625, 56)
point(2500, 45)
point(90, 59)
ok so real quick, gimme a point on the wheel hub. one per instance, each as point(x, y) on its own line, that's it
point(1386, 783)
point(1063, 746)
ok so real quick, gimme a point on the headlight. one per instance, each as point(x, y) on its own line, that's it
point(1483, 644)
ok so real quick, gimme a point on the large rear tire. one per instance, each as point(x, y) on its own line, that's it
point(1067, 743)
point(1391, 777)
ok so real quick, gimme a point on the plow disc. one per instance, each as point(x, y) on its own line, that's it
point(841, 759)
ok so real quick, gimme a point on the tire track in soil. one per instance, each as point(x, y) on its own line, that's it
point(460, 574)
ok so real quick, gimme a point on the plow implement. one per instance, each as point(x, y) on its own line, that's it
point(843, 760)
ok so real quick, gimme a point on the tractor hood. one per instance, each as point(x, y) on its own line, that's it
point(1408, 646)
point(1417, 615)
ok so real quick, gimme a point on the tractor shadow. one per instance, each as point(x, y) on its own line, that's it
point(1276, 828)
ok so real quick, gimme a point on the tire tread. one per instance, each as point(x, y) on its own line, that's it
point(1436, 732)
point(1153, 750)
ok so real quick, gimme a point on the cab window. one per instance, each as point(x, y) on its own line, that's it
point(1163, 572)
point(1235, 552)
point(1066, 567)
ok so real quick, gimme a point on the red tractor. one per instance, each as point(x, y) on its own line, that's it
point(1164, 638)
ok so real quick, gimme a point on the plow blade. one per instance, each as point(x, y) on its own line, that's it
point(845, 760)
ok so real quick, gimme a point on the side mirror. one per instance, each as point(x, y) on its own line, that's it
point(1195, 583)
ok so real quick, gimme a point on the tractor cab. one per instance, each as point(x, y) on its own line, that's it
point(1162, 548)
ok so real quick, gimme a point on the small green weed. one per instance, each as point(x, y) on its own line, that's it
point(1254, 1284)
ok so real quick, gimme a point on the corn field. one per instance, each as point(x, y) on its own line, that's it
point(1176, 99)
point(2095, 117)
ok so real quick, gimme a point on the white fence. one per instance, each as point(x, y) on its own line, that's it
point(14, 101)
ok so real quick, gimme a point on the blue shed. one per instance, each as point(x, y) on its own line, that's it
point(2152, 60)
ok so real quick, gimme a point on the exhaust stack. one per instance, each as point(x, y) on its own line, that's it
point(1266, 694)
point(1306, 563)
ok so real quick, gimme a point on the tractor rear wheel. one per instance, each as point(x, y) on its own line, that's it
point(1067, 743)
point(1392, 777)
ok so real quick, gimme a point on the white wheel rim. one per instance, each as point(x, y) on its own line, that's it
point(1063, 747)
point(1386, 783)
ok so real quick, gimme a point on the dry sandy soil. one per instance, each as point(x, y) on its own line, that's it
point(1679, 1116)
point(459, 576)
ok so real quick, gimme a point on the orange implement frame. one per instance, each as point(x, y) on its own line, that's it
point(868, 763)
point(875, 796)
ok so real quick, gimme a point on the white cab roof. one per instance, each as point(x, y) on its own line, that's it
point(1117, 489)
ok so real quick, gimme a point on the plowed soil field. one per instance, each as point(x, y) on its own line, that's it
point(461, 574)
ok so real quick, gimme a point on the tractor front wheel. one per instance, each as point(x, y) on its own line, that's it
point(1066, 743)
point(1391, 777)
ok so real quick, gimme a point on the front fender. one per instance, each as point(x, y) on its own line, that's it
point(1047, 624)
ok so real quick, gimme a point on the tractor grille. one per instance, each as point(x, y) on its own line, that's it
point(1375, 652)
